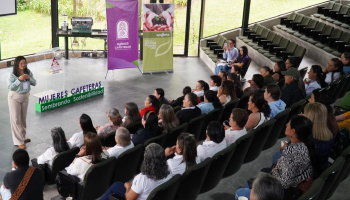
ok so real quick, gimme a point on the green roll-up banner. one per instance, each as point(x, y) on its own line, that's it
point(158, 21)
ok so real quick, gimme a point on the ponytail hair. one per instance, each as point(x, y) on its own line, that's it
point(320, 75)
point(204, 85)
point(187, 143)
point(211, 97)
point(266, 68)
point(261, 103)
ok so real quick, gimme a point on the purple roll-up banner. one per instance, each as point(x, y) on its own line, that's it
point(122, 34)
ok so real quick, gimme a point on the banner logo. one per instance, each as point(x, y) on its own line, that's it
point(122, 30)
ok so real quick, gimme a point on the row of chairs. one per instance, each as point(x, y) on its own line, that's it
point(339, 87)
point(271, 45)
point(334, 13)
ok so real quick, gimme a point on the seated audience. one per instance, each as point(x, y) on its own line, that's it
point(345, 59)
point(85, 122)
point(322, 136)
point(230, 53)
point(151, 103)
point(272, 96)
point(154, 172)
point(189, 110)
point(150, 128)
point(185, 152)
point(279, 67)
point(242, 59)
point(132, 114)
point(211, 101)
point(260, 111)
point(344, 120)
point(323, 96)
point(294, 90)
point(334, 70)
point(316, 79)
point(237, 83)
point(223, 75)
point(201, 87)
point(214, 83)
point(159, 94)
point(167, 119)
point(123, 143)
point(59, 145)
point(178, 101)
point(238, 119)
point(291, 62)
point(226, 92)
point(20, 167)
point(256, 83)
point(266, 72)
point(88, 155)
point(214, 142)
point(115, 121)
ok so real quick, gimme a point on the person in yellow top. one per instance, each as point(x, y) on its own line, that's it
point(343, 120)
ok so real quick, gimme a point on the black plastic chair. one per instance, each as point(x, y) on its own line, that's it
point(346, 169)
point(281, 120)
point(109, 140)
point(134, 127)
point(329, 176)
point(166, 190)
point(228, 110)
point(245, 67)
point(281, 83)
point(217, 168)
point(243, 102)
point(128, 164)
point(260, 137)
point(341, 83)
point(213, 115)
point(295, 109)
point(195, 125)
point(303, 72)
point(346, 86)
point(177, 108)
point(160, 139)
point(192, 180)
point(243, 144)
point(314, 191)
point(174, 133)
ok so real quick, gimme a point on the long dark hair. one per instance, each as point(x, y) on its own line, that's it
point(320, 75)
point(154, 164)
point(132, 113)
point(189, 149)
point(282, 65)
point(211, 97)
point(93, 147)
point(261, 103)
point(339, 65)
point(151, 119)
point(204, 85)
point(192, 98)
point(18, 59)
point(236, 81)
point(303, 130)
point(59, 140)
point(293, 62)
point(154, 101)
point(86, 124)
point(266, 68)
point(245, 51)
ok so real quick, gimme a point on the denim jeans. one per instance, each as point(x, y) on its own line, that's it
point(117, 188)
point(243, 192)
point(219, 68)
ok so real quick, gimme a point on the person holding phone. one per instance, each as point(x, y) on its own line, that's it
point(230, 53)
point(19, 82)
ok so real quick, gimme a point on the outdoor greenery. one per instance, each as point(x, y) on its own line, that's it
point(29, 31)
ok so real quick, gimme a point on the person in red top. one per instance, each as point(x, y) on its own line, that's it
point(151, 103)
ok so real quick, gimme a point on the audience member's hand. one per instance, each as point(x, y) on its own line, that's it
point(170, 101)
point(14, 166)
point(97, 127)
point(234, 60)
point(306, 81)
point(67, 138)
point(170, 150)
point(284, 145)
point(226, 127)
point(82, 151)
point(23, 77)
point(275, 76)
point(250, 81)
point(127, 186)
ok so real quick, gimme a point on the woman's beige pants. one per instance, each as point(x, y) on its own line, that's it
point(18, 105)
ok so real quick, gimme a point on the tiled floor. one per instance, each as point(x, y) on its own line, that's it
point(121, 86)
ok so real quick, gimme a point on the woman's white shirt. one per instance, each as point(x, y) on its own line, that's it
point(47, 156)
point(209, 148)
point(143, 185)
point(199, 93)
point(77, 140)
point(79, 167)
point(232, 135)
point(117, 150)
point(215, 88)
point(175, 165)
point(329, 77)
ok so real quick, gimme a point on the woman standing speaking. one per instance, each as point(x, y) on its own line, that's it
point(19, 83)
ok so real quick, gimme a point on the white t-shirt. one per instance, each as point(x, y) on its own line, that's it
point(47, 156)
point(79, 167)
point(117, 150)
point(199, 93)
point(209, 148)
point(175, 165)
point(232, 136)
point(143, 185)
point(77, 140)
point(329, 76)
point(215, 88)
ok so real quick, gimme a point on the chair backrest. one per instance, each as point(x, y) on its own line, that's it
point(192, 180)
point(346, 168)
point(337, 7)
point(339, 89)
point(217, 38)
point(109, 140)
point(260, 137)
point(243, 144)
point(222, 42)
point(217, 167)
point(260, 30)
point(195, 126)
point(133, 127)
point(281, 120)
point(277, 39)
point(344, 10)
point(291, 47)
point(255, 27)
point(333, 86)
point(330, 5)
point(336, 33)
point(61, 161)
point(243, 102)
point(345, 37)
point(97, 179)
point(303, 72)
point(174, 133)
point(213, 115)
point(160, 139)
point(320, 26)
point(312, 23)
point(300, 52)
point(329, 176)
point(292, 16)
point(166, 190)
point(306, 21)
point(245, 67)
point(228, 110)
point(284, 42)
point(314, 191)
point(299, 18)
point(265, 33)
point(327, 29)
point(295, 109)
point(177, 108)
point(128, 164)
point(346, 86)
point(271, 36)
point(281, 83)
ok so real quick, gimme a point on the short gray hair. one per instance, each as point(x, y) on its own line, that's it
point(123, 136)
point(267, 187)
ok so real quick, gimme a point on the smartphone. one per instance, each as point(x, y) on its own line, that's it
point(226, 123)
point(225, 45)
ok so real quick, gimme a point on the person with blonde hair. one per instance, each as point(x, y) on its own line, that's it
point(167, 118)
point(323, 137)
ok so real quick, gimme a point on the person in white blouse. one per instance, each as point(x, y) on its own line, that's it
point(316, 79)
point(123, 140)
point(77, 140)
point(333, 70)
point(185, 154)
point(201, 87)
point(215, 83)
point(238, 119)
point(59, 145)
point(88, 155)
point(214, 143)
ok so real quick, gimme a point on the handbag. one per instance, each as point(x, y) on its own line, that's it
point(23, 184)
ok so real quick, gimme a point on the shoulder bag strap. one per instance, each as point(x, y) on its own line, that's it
point(23, 184)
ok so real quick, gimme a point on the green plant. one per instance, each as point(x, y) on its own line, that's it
point(22, 5)
point(181, 2)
